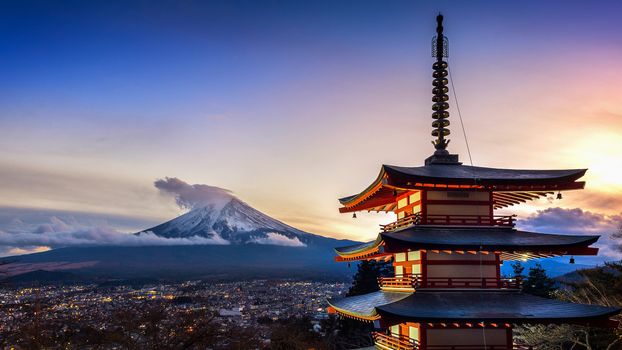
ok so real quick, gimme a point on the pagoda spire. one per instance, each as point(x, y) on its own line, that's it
point(440, 50)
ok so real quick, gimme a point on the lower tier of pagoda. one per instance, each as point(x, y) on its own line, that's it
point(464, 320)
point(513, 307)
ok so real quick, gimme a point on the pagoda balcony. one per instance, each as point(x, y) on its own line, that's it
point(415, 281)
point(451, 220)
point(394, 342)
point(409, 282)
point(477, 347)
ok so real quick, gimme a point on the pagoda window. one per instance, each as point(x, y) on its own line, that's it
point(402, 203)
point(415, 197)
point(408, 204)
point(395, 330)
point(416, 255)
point(413, 333)
point(407, 263)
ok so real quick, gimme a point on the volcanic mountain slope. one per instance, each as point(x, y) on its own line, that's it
point(234, 222)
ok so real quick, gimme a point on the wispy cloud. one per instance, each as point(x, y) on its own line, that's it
point(274, 238)
point(58, 233)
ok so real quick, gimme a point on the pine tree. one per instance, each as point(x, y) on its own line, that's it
point(518, 269)
point(366, 277)
point(538, 283)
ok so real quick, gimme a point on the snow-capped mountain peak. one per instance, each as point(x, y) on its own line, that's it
point(235, 222)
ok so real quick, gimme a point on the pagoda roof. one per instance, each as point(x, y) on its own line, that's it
point(455, 176)
point(513, 243)
point(364, 306)
point(481, 238)
point(466, 174)
point(478, 306)
point(468, 306)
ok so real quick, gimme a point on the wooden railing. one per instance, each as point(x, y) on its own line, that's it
point(402, 223)
point(415, 281)
point(457, 220)
point(394, 342)
point(477, 347)
point(405, 281)
point(469, 220)
point(469, 282)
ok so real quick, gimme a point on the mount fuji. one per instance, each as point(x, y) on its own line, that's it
point(233, 241)
point(235, 222)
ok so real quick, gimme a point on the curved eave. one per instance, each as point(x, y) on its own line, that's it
point(353, 201)
point(510, 307)
point(486, 239)
point(354, 315)
point(380, 194)
point(360, 251)
point(363, 306)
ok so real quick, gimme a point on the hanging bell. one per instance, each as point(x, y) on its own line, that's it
point(394, 193)
point(572, 259)
point(354, 216)
point(559, 195)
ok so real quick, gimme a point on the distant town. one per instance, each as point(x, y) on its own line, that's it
point(101, 314)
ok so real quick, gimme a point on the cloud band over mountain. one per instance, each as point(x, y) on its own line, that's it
point(58, 233)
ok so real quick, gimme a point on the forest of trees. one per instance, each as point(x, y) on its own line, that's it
point(598, 286)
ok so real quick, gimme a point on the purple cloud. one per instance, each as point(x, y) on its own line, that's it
point(578, 221)
point(190, 196)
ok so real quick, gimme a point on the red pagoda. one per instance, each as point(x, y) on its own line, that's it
point(447, 246)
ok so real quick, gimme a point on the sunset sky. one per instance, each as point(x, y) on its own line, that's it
point(293, 104)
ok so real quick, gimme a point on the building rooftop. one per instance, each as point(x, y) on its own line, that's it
point(511, 307)
point(516, 244)
point(468, 306)
point(516, 183)
point(364, 306)
point(481, 238)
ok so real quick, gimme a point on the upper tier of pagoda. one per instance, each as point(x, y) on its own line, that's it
point(444, 171)
point(509, 186)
